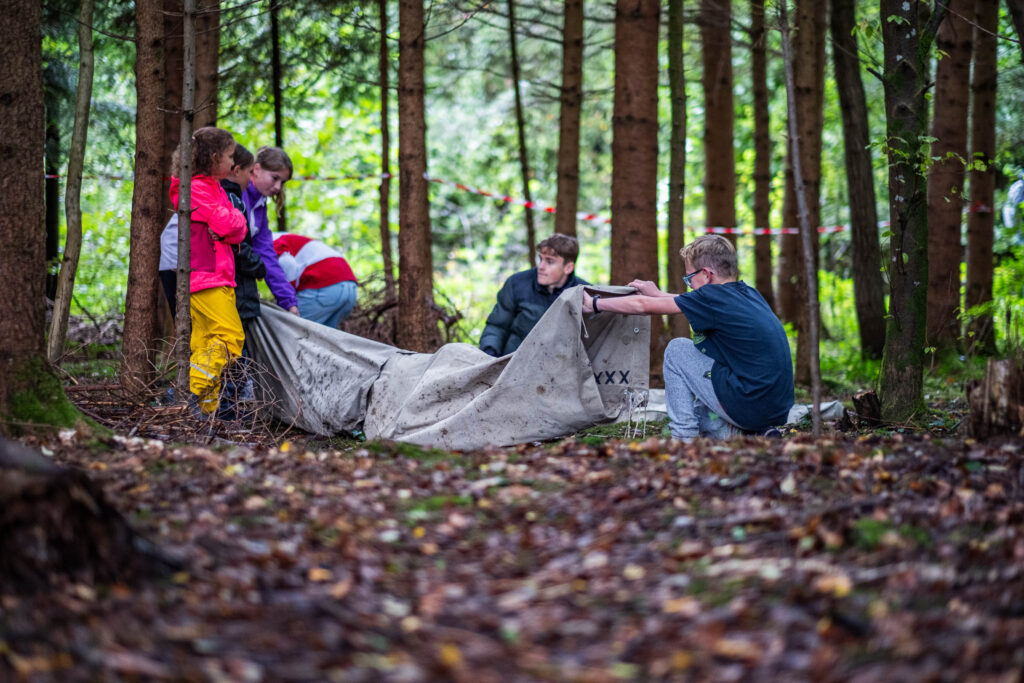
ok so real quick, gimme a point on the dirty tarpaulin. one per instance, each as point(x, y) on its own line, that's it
point(572, 371)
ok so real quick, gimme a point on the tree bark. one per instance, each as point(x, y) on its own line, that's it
point(946, 176)
point(678, 325)
point(567, 200)
point(981, 215)
point(73, 190)
point(384, 65)
point(635, 142)
point(524, 161)
point(907, 36)
point(183, 319)
point(808, 45)
point(417, 327)
point(867, 255)
point(719, 155)
point(173, 56)
point(762, 152)
point(143, 291)
point(207, 62)
point(30, 393)
point(52, 200)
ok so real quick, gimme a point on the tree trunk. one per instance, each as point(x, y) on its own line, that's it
point(635, 142)
point(207, 62)
point(946, 176)
point(73, 191)
point(524, 162)
point(171, 108)
point(996, 403)
point(678, 325)
point(719, 157)
point(762, 152)
point(29, 391)
point(52, 200)
point(867, 256)
point(907, 42)
point(571, 100)
point(275, 79)
point(1016, 8)
point(183, 305)
point(143, 291)
point(983, 173)
point(808, 45)
point(384, 64)
point(417, 326)
point(806, 227)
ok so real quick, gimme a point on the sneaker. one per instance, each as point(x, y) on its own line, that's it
point(247, 393)
point(771, 433)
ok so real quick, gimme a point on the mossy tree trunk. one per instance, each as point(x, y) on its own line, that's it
point(30, 393)
point(908, 34)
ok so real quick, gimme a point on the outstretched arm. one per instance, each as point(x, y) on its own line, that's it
point(633, 304)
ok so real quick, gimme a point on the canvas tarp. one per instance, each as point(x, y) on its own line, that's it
point(571, 372)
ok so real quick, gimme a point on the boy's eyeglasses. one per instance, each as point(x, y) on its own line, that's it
point(687, 278)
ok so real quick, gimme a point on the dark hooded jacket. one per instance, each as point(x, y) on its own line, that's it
point(248, 264)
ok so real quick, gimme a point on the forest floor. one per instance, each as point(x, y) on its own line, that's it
point(863, 556)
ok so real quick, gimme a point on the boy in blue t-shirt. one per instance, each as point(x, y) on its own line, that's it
point(738, 365)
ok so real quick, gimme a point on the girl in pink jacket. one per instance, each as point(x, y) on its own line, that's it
point(217, 334)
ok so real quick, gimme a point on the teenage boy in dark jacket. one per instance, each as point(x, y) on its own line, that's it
point(525, 296)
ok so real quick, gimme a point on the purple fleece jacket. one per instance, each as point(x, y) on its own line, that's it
point(263, 244)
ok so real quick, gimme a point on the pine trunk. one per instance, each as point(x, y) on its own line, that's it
point(281, 224)
point(569, 119)
point(762, 152)
point(808, 47)
point(207, 62)
point(719, 157)
point(981, 215)
point(52, 198)
point(1016, 8)
point(678, 325)
point(384, 66)
point(946, 176)
point(417, 326)
point(867, 255)
point(907, 42)
point(524, 157)
point(171, 109)
point(143, 291)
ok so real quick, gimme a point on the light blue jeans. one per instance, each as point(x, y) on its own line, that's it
point(693, 408)
point(328, 305)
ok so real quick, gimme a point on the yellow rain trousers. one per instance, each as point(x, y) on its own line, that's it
point(217, 339)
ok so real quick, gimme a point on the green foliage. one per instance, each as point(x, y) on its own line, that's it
point(39, 402)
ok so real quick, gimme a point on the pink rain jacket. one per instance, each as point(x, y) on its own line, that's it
point(213, 263)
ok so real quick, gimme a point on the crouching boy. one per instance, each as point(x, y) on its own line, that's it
point(737, 367)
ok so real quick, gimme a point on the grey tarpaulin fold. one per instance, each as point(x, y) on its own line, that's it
point(572, 371)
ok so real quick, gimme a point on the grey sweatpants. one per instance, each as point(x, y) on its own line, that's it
point(693, 408)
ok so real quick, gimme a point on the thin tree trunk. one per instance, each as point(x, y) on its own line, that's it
point(678, 325)
point(524, 162)
point(417, 327)
point(567, 201)
point(981, 217)
point(806, 227)
point(207, 62)
point(183, 319)
point(142, 296)
point(860, 181)
point(946, 176)
point(173, 56)
point(275, 79)
point(907, 37)
point(52, 201)
point(719, 155)
point(73, 192)
point(384, 63)
point(809, 72)
point(1016, 8)
point(762, 152)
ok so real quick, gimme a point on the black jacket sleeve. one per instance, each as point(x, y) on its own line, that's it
point(248, 262)
point(499, 322)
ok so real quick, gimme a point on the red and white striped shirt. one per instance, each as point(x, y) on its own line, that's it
point(309, 263)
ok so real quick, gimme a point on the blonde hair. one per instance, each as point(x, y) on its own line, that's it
point(207, 143)
point(275, 159)
point(714, 252)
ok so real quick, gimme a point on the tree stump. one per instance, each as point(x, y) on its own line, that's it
point(55, 524)
point(996, 403)
point(867, 409)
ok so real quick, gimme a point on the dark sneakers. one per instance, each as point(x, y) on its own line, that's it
point(772, 433)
